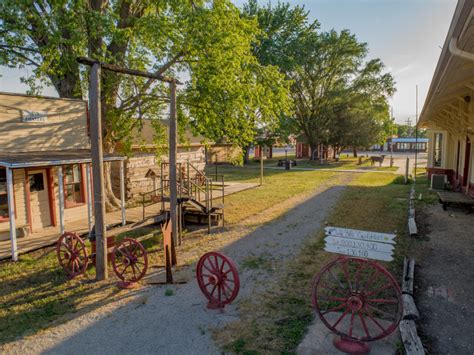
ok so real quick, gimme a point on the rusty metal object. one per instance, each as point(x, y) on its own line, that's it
point(218, 279)
point(357, 299)
point(130, 262)
point(72, 254)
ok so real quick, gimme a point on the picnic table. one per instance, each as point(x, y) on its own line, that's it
point(455, 198)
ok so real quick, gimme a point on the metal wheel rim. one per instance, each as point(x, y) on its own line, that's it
point(129, 260)
point(72, 254)
point(360, 298)
point(216, 266)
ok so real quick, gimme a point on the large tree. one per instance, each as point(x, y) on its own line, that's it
point(227, 90)
point(340, 97)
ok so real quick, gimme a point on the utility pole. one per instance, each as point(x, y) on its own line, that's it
point(261, 165)
point(416, 134)
point(172, 171)
point(98, 172)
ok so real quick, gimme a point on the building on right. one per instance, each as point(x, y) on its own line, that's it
point(448, 111)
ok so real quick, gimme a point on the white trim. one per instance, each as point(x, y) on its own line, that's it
point(122, 193)
point(89, 196)
point(11, 213)
point(61, 199)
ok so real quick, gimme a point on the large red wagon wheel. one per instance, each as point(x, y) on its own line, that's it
point(72, 254)
point(130, 262)
point(357, 299)
point(218, 279)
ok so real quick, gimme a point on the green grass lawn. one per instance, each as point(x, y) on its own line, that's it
point(278, 186)
point(345, 162)
point(276, 321)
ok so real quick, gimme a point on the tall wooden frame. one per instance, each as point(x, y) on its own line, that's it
point(97, 154)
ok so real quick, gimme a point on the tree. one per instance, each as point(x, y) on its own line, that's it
point(228, 91)
point(339, 97)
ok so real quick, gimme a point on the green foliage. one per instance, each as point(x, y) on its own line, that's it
point(340, 97)
point(228, 93)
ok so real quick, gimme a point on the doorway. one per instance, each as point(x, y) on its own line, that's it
point(40, 215)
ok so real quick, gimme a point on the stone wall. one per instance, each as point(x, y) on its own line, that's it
point(137, 166)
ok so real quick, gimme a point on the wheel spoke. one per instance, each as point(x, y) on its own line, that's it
point(340, 318)
point(375, 322)
point(384, 287)
point(213, 289)
point(336, 279)
point(351, 324)
point(364, 325)
point(346, 274)
point(334, 309)
point(382, 300)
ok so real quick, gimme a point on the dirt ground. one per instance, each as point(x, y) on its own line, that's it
point(444, 279)
point(174, 319)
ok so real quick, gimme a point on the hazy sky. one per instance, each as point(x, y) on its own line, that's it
point(405, 34)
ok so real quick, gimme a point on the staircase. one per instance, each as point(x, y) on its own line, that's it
point(200, 198)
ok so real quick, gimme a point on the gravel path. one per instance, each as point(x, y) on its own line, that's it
point(150, 322)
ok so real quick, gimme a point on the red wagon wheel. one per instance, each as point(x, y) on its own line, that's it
point(72, 254)
point(357, 299)
point(130, 262)
point(218, 279)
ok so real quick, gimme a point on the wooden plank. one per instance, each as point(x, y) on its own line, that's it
point(98, 172)
point(173, 151)
point(412, 226)
point(362, 235)
point(359, 244)
point(410, 312)
point(11, 214)
point(361, 253)
point(410, 338)
point(408, 276)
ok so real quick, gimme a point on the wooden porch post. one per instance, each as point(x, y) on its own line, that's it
point(11, 213)
point(98, 172)
point(172, 160)
point(89, 196)
point(61, 198)
point(122, 192)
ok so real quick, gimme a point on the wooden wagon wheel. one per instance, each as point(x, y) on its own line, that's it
point(72, 254)
point(357, 299)
point(218, 279)
point(130, 262)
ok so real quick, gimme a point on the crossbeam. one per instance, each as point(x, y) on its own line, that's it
point(118, 69)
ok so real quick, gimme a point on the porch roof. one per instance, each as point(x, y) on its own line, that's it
point(49, 158)
point(449, 102)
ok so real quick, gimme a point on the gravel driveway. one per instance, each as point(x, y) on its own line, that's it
point(150, 322)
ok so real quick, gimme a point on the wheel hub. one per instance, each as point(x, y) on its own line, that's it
point(214, 279)
point(355, 303)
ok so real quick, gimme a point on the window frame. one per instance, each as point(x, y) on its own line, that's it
point(438, 148)
point(68, 204)
point(5, 218)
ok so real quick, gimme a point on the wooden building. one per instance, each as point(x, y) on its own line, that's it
point(408, 144)
point(303, 150)
point(448, 111)
point(44, 166)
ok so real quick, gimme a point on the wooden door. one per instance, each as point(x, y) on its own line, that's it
point(39, 199)
point(467, 161)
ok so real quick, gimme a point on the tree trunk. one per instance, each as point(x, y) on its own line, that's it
point(313, 149)
point(354, 151)
point(112, 203)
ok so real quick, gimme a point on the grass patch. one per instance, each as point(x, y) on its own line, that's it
point(279, 185)
point(253, 262)
point(36, 292)
point(276, 320)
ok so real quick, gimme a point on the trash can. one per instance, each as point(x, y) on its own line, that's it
point(287, 164)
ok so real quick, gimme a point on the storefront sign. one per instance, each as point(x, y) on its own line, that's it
point(33, 116)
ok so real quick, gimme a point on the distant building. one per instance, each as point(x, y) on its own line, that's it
point(410, 144)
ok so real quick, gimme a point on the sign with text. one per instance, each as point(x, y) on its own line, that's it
point(357, 243)
point(33, 116)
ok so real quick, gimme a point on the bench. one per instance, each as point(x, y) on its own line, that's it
point(281, 162)
point(455, 198)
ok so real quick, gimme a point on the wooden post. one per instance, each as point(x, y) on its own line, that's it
point(61, 198)
point(407, 170)
point(89, 196)
point(98, 172)
point(261, 167)
point(172, 169)
point(122, 192)
point(11, 213)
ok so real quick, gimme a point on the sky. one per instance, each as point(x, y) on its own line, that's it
point(407, 35)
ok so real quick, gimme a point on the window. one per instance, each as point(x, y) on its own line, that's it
point(36, 182)
point(437, 149)
point(3, 195)
point(73, 189)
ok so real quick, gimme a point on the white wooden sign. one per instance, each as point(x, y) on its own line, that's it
point(363, 235)
point(33, 116)
point(357, 243)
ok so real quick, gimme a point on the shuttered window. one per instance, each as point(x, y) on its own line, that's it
point(3, 195)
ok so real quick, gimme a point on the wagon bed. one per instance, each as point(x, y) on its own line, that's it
point(455, 198)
